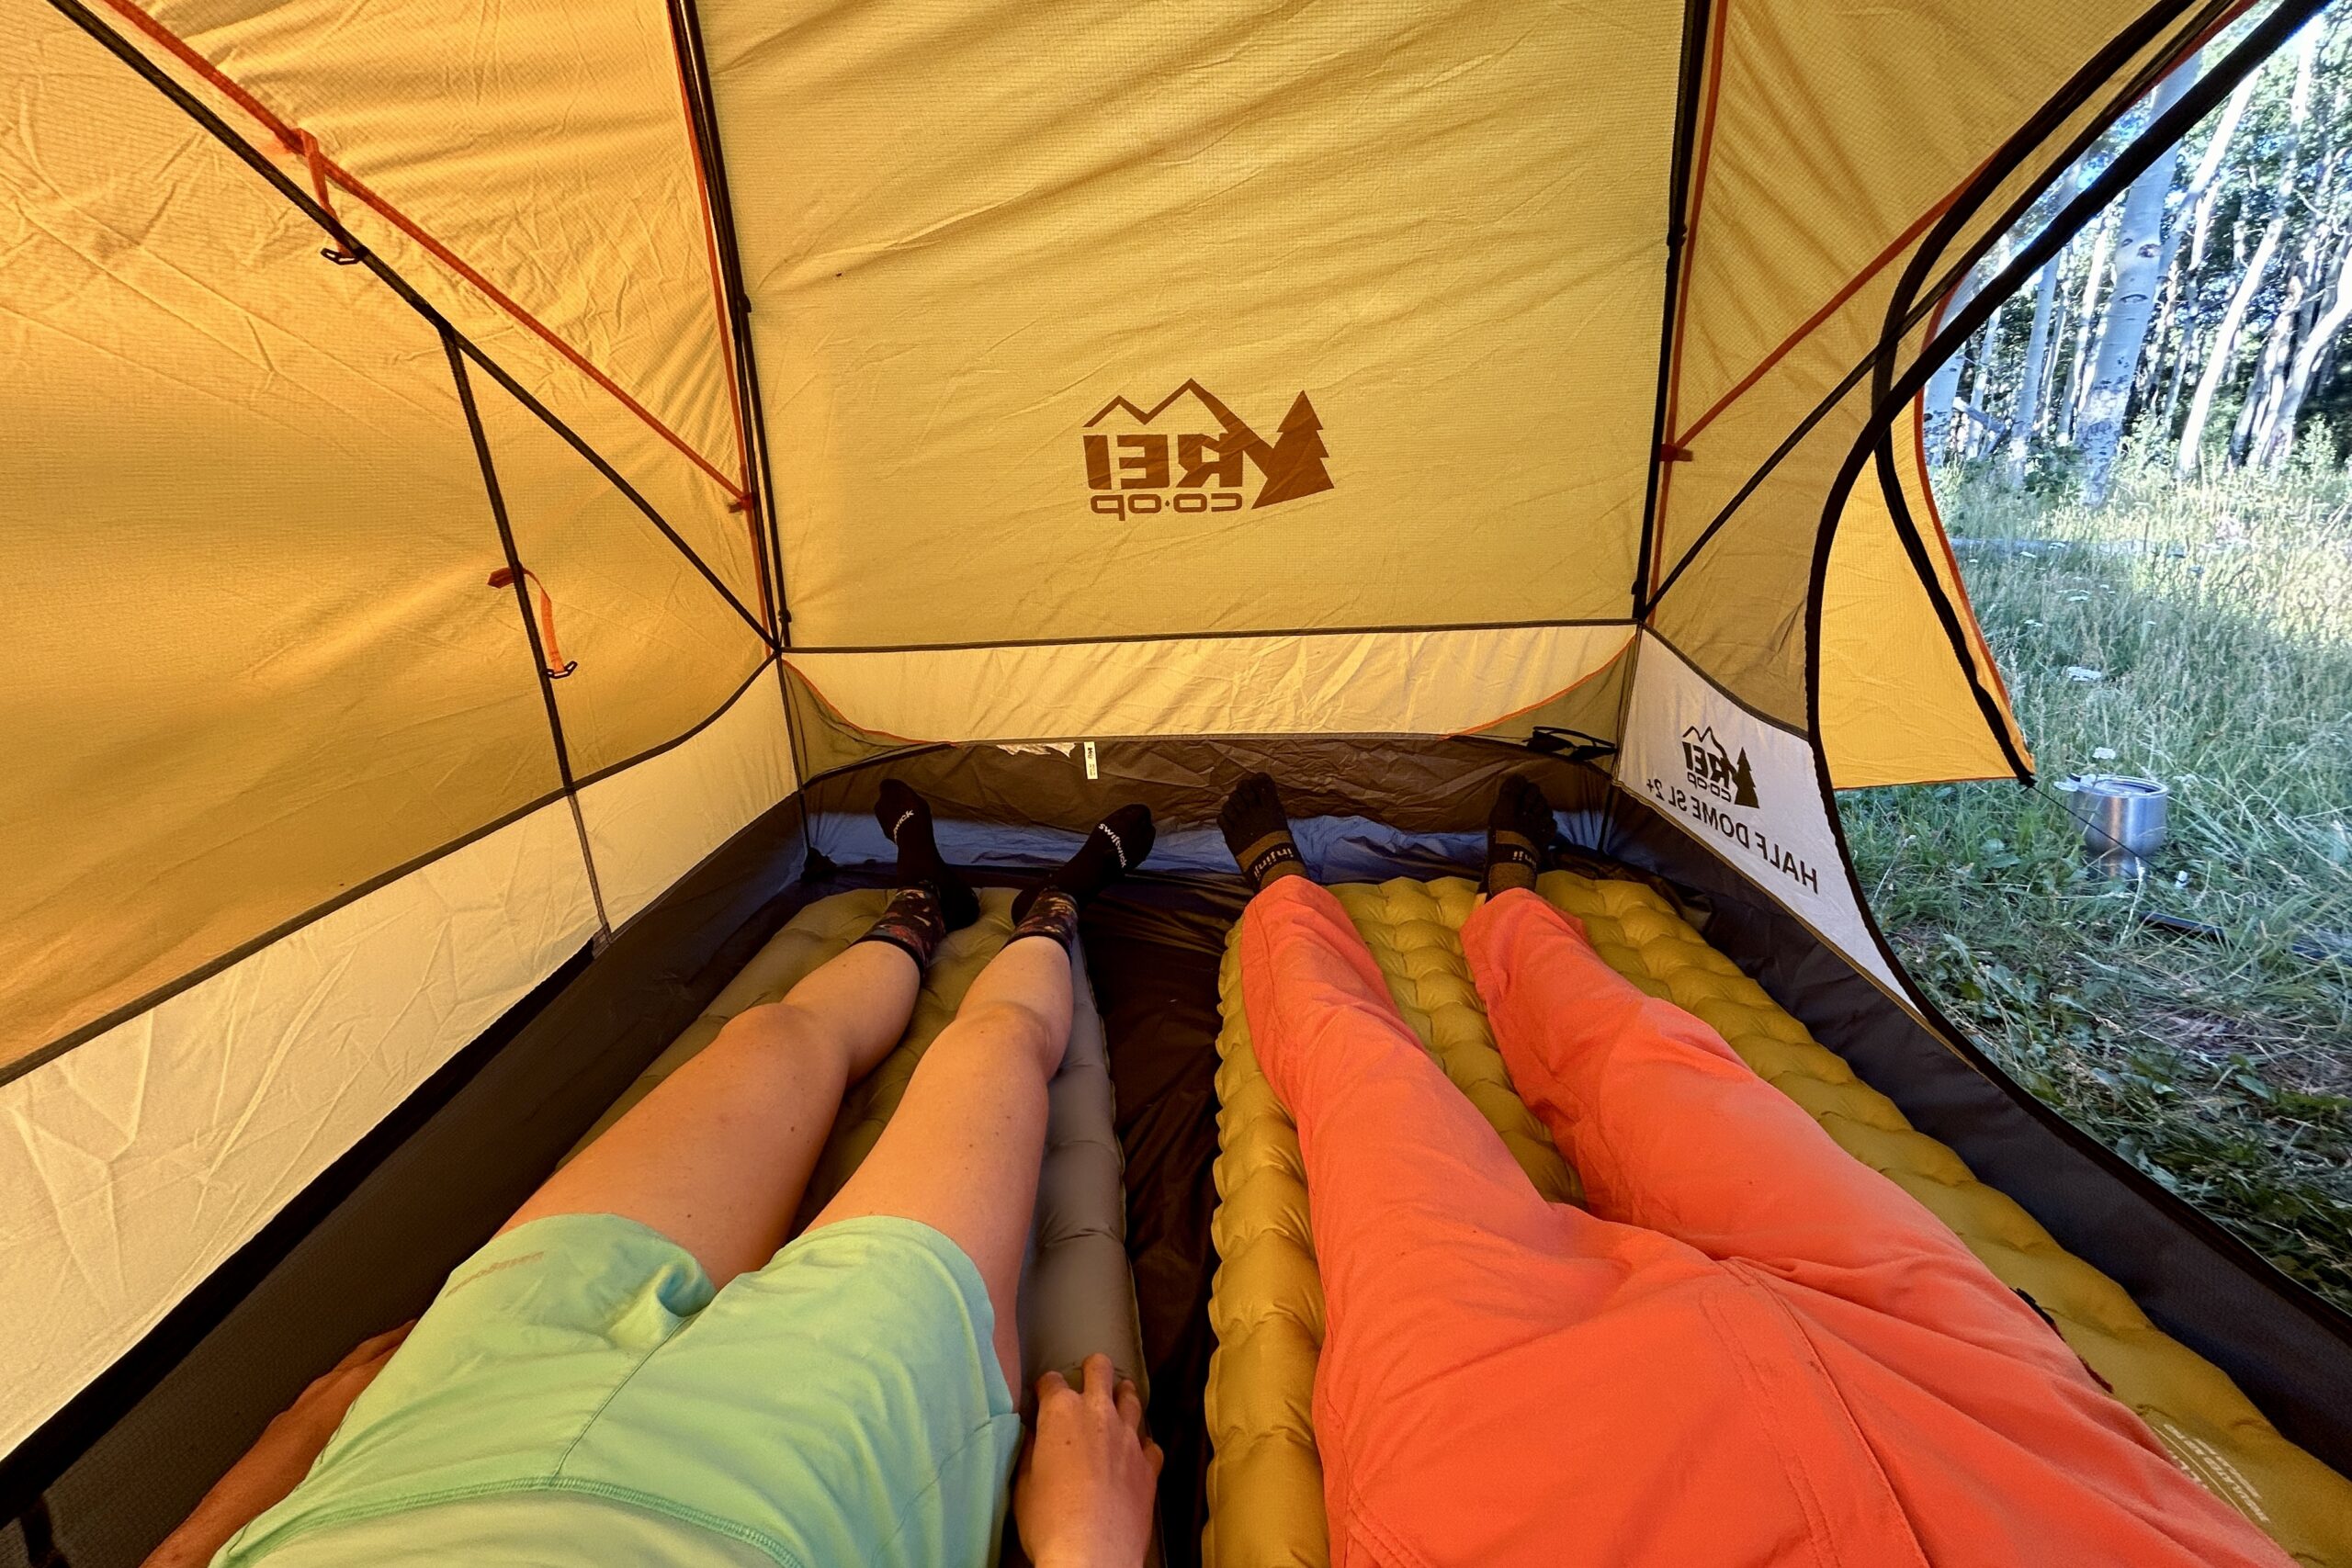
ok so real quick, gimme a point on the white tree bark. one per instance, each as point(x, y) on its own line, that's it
point(2278, 443)
point(2268, 390)
point(2086, 323)
point(2037, 357)
point(2203, 194)
point(2141, 258)
point(1944, 385)
point(2220, 356)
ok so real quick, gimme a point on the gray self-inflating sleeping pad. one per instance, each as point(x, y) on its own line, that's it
point(1077, 1295)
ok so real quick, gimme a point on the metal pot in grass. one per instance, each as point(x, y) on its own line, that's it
point(2123, 819)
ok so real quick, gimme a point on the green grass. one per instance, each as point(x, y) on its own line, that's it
point(2219, 619)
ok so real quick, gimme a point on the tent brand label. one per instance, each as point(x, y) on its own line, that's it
point(1190, 453)
point(1710, 767)
point(1704, 812)
point(1749, 791)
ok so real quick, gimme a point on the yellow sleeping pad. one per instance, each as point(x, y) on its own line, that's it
point(1266, 1307)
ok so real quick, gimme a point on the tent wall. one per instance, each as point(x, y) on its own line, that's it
point(207, 701)
point(134, 1166)
point(138, 1162)
point(1801, 242)
point(1433, 683)
point(1747, 790)
point(485, 151)
point(257, 522)
point(967, 231)
point(370, 1242)
point(649, 824)
point(1909, 689)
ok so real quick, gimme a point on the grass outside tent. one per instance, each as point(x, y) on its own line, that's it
point(2199, 633)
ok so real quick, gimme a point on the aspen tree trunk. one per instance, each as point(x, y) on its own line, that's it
point(2141, 258)
point(2269, 389)
point(2202, 196)
point(2086, 322)
point(2225, 334)
point(1944, 385)
point(2279, 443)
point(2037, 355)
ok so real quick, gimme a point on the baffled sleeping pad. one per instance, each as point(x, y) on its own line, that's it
point(1265, 1483)
point(1077, 1295)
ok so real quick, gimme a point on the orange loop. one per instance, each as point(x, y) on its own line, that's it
point(558, 667)
point(347, 253)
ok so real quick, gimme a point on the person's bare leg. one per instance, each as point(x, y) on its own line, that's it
point(717, 1157)
point(962, 1153)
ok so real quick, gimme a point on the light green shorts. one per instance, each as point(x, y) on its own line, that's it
point(577, 1379)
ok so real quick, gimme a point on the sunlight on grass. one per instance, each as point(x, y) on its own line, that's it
point(2200, 635)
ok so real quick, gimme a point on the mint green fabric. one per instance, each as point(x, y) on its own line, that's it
point(843, 1404)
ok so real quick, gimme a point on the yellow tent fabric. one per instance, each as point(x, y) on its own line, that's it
point(396, 619)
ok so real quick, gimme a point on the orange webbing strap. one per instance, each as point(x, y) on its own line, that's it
point(558, 667)
point(347, 253)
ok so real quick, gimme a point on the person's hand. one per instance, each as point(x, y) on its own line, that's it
point(279, 1458)
point(1083, 1499)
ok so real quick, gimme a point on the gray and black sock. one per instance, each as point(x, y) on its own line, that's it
point(905, 818)
point(1518, 834)
point(1257, 830)
point(932, 900)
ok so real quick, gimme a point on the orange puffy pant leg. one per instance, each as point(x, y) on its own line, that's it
point(1764, 1354)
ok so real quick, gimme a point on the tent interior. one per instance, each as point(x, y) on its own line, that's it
point(493, 489)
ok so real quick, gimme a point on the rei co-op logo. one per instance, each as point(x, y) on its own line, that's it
point(1188, 452)
point(1712, 768)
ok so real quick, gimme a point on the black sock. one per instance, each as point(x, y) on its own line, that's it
point(1117, 846)
point(1258, 831)
point(905, 818)
point(1519, 831)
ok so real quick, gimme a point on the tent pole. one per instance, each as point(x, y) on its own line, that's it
point(514, 571)
point(702, 102)
point(1686, 125)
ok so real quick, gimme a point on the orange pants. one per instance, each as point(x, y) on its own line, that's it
point(1752, 1350)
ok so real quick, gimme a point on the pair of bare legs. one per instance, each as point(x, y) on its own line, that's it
point(718, 1156)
